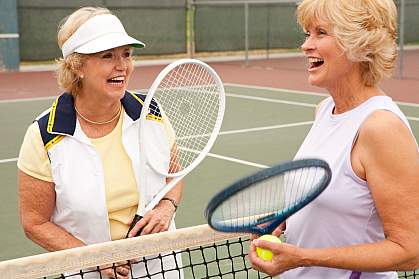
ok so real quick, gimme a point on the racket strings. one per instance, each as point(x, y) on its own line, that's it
point(190, 127)
point(300, 183)
point(189, 97)
point(263, 202)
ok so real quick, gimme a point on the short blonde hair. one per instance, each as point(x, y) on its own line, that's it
point(67, 68)
point(365, 29)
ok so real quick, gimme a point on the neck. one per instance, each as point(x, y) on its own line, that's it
point(99, 113)
point(348, 95)
point(98, 122)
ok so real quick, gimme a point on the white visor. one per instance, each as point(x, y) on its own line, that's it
point(99, 33)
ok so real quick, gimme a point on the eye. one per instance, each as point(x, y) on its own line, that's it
point(306, 34)
point(107, 55)
point(321, 32)
point(128, 53)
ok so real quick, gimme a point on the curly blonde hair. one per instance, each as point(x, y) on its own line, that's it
point(365, 29)
point(68, 67)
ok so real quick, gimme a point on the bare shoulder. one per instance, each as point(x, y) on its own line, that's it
point(385, 140)
point(385, 126)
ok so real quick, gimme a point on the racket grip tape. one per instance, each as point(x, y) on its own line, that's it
point(137, 218)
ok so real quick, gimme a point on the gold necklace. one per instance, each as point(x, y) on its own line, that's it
point(99, 123)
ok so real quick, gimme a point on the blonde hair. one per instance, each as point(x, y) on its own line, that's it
point(365, 29)
point(67, 68)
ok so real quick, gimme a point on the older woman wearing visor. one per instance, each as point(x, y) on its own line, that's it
point(78, 164)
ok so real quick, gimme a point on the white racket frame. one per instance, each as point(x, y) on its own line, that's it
point(143, 162)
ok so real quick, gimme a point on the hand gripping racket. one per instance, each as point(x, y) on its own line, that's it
point(188, 98)
point(260, 202)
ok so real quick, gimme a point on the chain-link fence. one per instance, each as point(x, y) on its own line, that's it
point(188, 27)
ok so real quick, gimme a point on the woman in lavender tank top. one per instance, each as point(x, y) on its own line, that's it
point(366, 223)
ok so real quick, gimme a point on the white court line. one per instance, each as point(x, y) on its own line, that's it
point(266, 128)
point(271, 100)
point(11, 101)
point(412, 118)
point(8, 160)
point(239, 131)
point(231, 159)
point(229, 133)
point(290, 102)
point(276, 89)
point(232, 95)
point(301, 92)
point(241, 96)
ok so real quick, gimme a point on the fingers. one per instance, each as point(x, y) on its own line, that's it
point(256, 262)
point(122, 272)
point(278, 230)
point(138, 227)
point(154, 221)
point(157, 220)
point(116, 272)
point(254, 236)
point(265, 244)
point(268, 267)
point(156, 224)
point(284, 257)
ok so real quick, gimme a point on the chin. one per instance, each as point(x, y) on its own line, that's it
point(315, 82)
point(116, 93)
point(119, 90)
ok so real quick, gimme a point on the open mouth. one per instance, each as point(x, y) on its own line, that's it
point(116, 80)
point(314, 63)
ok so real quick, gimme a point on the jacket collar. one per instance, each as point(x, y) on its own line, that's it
point(62, 117)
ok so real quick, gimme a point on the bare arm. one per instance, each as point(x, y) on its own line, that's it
point(387, 157)
point(36, 205)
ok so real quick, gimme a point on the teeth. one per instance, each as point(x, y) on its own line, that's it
point(118, 79)
point(314, 59)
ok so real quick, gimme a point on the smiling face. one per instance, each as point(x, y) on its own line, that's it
point(327, 63)
point(107, 73)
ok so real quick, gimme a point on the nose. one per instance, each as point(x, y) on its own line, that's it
point(121, 63)
point(308, 44)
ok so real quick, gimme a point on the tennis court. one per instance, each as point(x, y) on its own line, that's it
point(262, 126)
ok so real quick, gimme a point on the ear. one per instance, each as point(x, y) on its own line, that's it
point(79, 74)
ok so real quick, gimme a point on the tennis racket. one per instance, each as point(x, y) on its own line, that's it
point(188, 98)
point(260, 202)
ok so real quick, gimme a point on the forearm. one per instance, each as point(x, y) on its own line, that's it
point(52, 237)
point(380, 256)
point(36, 206)
point(176, 192)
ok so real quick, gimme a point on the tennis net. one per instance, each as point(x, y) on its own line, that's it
point(195, 252)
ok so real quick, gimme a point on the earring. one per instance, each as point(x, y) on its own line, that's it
point(81, 76)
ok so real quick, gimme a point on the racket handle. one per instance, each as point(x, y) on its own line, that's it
point(136, 219)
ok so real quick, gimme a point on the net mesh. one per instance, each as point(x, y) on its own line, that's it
point(198, 252)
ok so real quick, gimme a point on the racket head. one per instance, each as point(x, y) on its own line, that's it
point(188, 96)
point(260, 202)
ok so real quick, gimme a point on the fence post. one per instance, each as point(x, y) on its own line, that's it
point(246, 33)
point(401, 38)
point(190, 14)
point(9, 36)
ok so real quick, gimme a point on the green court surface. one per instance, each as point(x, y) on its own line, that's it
point(261, 127)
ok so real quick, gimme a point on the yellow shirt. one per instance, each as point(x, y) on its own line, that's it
point(121, 187)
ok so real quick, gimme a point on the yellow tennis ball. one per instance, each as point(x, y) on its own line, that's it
point(266, 254)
